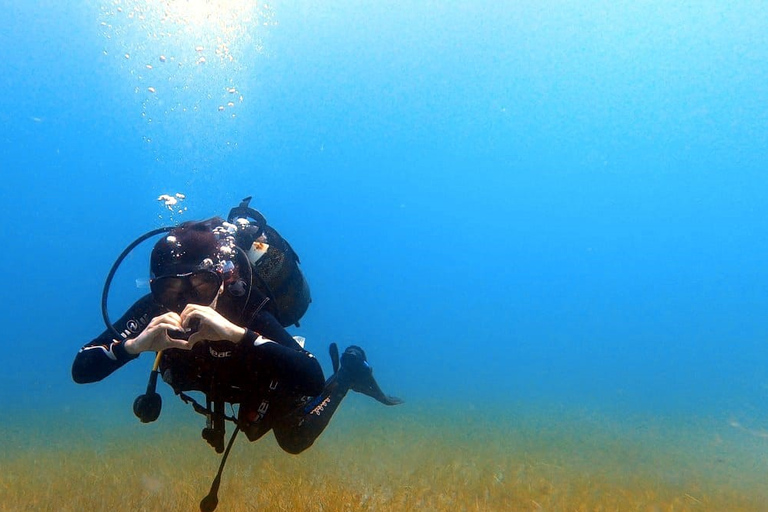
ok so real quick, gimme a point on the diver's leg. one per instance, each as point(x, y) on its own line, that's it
point(281, 379)
point(359, 374)
point(297, 431)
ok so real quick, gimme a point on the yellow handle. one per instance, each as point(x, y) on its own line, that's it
point(157, 361)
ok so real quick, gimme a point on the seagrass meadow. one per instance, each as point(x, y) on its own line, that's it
point(380, 460)
point(550, 213)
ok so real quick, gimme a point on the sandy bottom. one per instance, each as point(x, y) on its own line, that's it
point(399, 459)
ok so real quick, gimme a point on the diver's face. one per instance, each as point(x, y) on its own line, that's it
point(174, 292)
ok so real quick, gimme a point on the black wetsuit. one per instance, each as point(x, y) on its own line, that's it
point(278, 384)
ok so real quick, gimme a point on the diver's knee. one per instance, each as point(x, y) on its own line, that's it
point(293, 444)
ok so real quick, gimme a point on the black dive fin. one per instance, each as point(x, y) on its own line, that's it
point(334, 350)
point(372, 389)
point(354, 364)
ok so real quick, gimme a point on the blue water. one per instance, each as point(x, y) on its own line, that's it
point(505, 203)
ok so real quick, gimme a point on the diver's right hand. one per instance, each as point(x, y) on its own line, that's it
point(155, 337)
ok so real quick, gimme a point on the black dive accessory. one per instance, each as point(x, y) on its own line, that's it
point(247, 234)
point(175, 292)
point(276, 269)
point(111, 275)
point(211, 501)
point(146, 407)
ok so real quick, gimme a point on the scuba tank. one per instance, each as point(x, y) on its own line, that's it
point(275, 264)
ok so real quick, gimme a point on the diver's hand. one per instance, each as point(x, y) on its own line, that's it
point(212, 326)
point(155, 337)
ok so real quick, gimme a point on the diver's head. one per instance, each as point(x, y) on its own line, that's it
point(192, 262)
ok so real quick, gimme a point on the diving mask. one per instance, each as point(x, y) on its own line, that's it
point(174, 292)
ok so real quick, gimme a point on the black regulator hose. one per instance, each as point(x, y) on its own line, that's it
point(147, 406)
point(211, 500)
point(111, 275)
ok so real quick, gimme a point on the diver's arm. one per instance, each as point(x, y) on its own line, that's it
point(260, 321)
point(105, 354)
point(213, 326)
point(265, 324)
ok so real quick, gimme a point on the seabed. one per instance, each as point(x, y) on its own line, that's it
point(395, 459)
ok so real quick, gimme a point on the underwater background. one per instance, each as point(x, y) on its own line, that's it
point(544, 221)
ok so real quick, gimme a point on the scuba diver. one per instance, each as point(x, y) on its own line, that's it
point(222, 294)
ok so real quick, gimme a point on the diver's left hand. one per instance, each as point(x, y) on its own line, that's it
point(213, 326)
